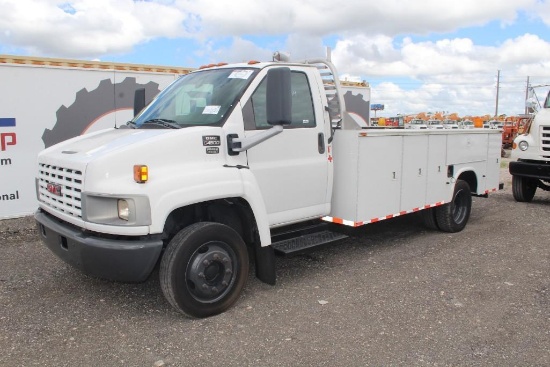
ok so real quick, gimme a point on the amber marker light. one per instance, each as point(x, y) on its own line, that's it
point(141, 173)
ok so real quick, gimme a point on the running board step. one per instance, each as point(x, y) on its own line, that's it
point(305, 242)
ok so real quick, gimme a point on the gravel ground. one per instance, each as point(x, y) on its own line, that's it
point(394, 294)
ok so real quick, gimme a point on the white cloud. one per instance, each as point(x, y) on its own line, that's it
point(240, 50)
point(322, 17)
point(95, 27)
point(445, 72)
point(84, 28)
point(542, 10)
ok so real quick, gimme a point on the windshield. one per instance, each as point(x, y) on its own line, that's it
point(196, 99)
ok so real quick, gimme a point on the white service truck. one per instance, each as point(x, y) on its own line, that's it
point(245, 159)
point(531, 153)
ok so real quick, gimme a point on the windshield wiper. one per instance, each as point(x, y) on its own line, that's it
point(164, 122)
point(131, 125)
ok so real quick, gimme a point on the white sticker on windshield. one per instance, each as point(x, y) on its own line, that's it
point(211, 110)
point(241, 74)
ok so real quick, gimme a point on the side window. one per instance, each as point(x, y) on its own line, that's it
point(302, 105)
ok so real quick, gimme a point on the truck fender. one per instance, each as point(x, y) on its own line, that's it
point(468, 174)
point(227, 182)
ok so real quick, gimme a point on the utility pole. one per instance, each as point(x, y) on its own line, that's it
point(526, 96)
point(498, 87)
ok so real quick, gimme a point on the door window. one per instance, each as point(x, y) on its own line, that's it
point(302, 105)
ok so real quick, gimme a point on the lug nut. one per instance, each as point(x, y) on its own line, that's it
point(214, 290)
point(201, 275)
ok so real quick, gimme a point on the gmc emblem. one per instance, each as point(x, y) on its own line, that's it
point(54, 189)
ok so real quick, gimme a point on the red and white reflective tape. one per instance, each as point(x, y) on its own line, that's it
point(492, 190)
point(374, 220)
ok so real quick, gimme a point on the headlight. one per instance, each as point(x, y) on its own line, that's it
point(523, 145)
point(116, 210)
point(123, 209)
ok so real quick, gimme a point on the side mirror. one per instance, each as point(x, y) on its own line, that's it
point(278, 97)
point(139, 100)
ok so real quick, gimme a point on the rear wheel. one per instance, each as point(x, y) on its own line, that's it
point(523, 188)
point(204, 269)
point(453, 216)
point(428, 218)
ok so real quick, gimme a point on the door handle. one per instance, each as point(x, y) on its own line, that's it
point(321, 143)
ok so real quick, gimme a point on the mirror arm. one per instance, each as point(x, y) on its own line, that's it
point(237, 144)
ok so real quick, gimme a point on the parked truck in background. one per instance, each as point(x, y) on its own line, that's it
point(512, 127)
point(530, 168)
point(241, 160)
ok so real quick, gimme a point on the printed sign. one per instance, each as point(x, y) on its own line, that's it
point(211, 110)
point(7, 139)
point(78, 104)
point(241, 74)
point(6, 122)
point(211, 140)
point(212, 150)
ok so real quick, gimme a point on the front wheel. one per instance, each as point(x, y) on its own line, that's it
point(204, 269)
point(523, 188)
point(452, 217)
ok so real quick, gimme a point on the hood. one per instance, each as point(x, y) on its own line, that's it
point(116, 143)
point(102, 142)
point(543, 116)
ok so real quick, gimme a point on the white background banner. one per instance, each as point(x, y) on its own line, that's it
point(43, 105)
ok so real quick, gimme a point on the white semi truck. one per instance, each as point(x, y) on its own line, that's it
point(531, 154)
point(232, 161)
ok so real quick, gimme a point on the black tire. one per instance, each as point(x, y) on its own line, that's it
point(204, 269)
point(452, 217)
point(523, 188)
point(428, 218)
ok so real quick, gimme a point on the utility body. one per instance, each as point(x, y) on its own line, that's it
point(235, 162)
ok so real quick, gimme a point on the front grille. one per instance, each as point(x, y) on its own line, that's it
point(545, 138)
point(70, 181)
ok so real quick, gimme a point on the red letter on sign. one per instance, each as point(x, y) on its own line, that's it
point(5, 142)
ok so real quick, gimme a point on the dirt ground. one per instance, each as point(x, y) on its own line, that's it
point(394, 294)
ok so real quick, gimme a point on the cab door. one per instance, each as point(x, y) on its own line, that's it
point(291, 168)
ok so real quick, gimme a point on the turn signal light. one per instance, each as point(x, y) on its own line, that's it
point(141, 173)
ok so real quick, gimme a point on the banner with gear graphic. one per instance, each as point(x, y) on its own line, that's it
point(44, 102)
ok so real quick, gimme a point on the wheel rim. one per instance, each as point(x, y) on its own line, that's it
point(210, 273)
point(460, 206)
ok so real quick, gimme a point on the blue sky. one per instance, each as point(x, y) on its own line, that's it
point(418, 56)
